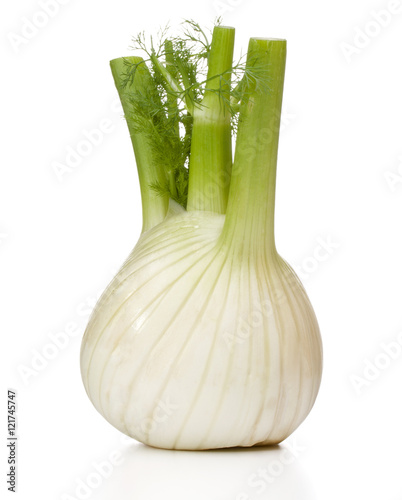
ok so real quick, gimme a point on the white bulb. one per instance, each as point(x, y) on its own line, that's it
point(194, 345)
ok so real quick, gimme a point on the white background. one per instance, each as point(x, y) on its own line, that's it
point(339, 179)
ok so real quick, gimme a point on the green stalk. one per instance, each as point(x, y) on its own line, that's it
point(172, 82)
point(249, 221)
point(172, 108)
point(154, 205)
point(211, 142)
point(171, 98)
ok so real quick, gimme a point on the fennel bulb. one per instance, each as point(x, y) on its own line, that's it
point(206, 337)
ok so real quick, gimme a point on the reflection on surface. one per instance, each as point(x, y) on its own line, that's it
point(147, 473)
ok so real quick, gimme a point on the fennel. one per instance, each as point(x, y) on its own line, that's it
point(206, 337)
